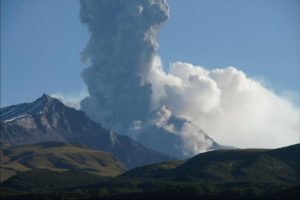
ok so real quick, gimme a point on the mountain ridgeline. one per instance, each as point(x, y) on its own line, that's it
point(228, 166)
point(51, 151)
point(47, 119)
point(220, 174)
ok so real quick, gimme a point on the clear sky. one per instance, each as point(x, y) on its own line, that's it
point(41, 41)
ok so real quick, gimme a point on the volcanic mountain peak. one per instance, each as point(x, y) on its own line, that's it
point(45, 100)
point(47, 119)
point(28, 109)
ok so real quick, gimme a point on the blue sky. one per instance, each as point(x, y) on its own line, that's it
point(41, 41)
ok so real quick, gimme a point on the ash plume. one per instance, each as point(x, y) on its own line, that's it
point(120, 50)
point(231, 107)
point(131, 93)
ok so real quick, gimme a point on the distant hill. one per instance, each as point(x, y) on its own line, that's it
point(47, 119)
point(221, 174)
point(58, 157)
point(248, 165)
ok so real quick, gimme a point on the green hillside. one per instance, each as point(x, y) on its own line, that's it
point(222, 174)
point(47, 180)
point(154, 170)
point(249, 165)
point(57, 156)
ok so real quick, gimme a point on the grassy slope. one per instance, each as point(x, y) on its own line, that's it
point(249, 165)
point(154, 170)
point(229, 174)
point(58, 157)
point(47, 180)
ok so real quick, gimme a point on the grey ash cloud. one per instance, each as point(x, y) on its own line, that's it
point(120, 50)
point(131, 93)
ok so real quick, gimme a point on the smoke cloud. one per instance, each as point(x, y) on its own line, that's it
point(231, 107)
point(130, 91)
point(71, 100)
point(121, 48)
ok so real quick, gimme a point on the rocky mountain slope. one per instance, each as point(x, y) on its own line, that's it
point(47, 119)
point(166, 142)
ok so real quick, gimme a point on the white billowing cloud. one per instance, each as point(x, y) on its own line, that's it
point(231, 107)
point(71, 100)
point(127, 84)
point(194, 139)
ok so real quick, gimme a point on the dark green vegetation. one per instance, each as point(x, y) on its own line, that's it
point(254, 165)
point(59, 157)
point(46, 180)
point(223, 174)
